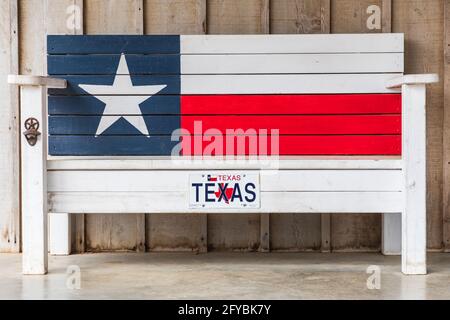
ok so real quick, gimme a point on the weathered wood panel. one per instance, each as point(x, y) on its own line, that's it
point(9, 130)
point(237, 17)
point(422, 22)
point(114, 232)
point(357, 232)
point(298, 232)
point(300, 16)
point(238, 232)
point(176, 232)
point(32, 37)
point(446, 140)
point(66, 17)
point(175, 16)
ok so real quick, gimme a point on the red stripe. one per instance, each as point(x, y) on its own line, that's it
point(292, 104)
point(360, 124)
point(307, 145)
point(312, 125)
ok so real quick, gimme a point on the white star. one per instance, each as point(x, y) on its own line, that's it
point(122, 99)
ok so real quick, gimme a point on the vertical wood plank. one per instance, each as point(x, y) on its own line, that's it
point(236, 232)
point(300, 16)
point(357, 232)
point(114, 232)
point(391, 224)
point(175, 16)
point(446, 125)
point(386, 16)
point(176, 232)
point(66, 17)
point(32, 37)
point(9, 130)
point(423, 25)
point(264, 236)
point(237, 17)
point(325, 231)
point(299, 232)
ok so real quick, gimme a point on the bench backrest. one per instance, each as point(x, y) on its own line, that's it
point(325, 94)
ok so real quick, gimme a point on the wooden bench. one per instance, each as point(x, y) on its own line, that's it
point(339, 129)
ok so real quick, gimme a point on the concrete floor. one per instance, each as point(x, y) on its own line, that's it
point(225, 276)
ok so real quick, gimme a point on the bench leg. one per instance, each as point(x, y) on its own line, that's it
point(414, 172)
point(391, 238)
point(34, 185)
point(60, 232)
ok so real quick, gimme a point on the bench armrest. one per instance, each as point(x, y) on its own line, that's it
point(397, 82)
point(42, 81)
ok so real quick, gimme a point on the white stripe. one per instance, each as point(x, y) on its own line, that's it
point(292, 63)
point(283, 180)
point(325, 43)
point(285, 84)
point(271, 202)
point(284, 163)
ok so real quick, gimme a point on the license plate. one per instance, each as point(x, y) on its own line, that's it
point(224, 190)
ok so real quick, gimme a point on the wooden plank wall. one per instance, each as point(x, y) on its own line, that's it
point(421, 20)
point(9, 123)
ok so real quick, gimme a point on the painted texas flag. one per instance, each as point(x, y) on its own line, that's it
point(127, 94)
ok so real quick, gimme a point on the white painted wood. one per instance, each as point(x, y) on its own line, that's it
point(34, 186)
point(397, 82)
point(276, 181)
point(59, 230)
point(271, 202)
point(391, 236)
point(49, 82)
point(317, 43)
point(284, 163)
point(284, 84)
point(292, 63)
point(414, 152)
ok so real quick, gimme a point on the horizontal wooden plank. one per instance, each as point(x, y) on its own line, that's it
point(113, 44)
point(110, 145)
point(292, 104)
point(89, 105)
point(162, 145)
point(276, 181)
point(87, 125)
point(227, 64)
point(271, 202)
point(108, 64)
point(238, 84)
point(286, 84)
point(236, 163)
point(296, 145)
point(172, 84)
point(293, 124)
point(292, 63)
point(317, 43)
point(239, 104)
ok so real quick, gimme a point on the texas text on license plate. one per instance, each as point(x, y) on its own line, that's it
point(224, 190)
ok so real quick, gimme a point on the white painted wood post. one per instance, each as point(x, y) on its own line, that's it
point(414, 218)
point(33, 95)
point(391, 237)
point(34, 185)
